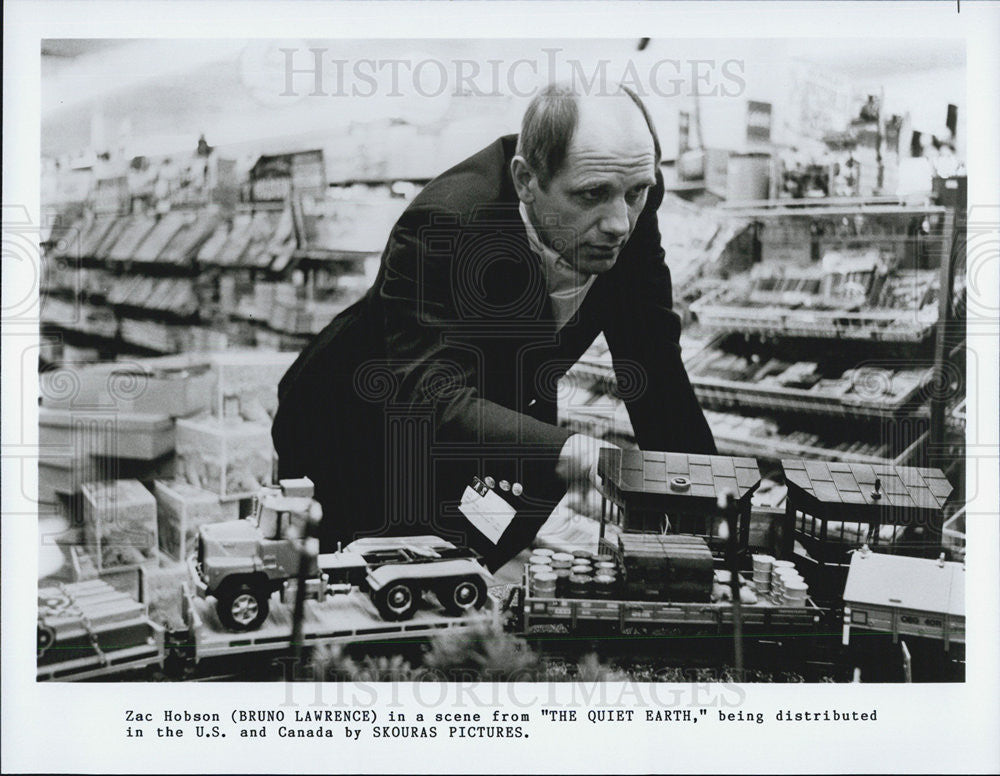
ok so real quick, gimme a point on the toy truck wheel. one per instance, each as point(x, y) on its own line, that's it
point(458, 596)
point(242, 606)
point(397, 600)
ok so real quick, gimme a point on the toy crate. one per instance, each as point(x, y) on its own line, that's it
point(181, 509)
point(56, 475)
point(666, 567)
point(174, 386)
point(246, 383)
point(109, 433)
point(119, 523)
point(229, 457)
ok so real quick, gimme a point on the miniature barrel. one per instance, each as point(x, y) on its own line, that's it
point(581, 568)
point(603, 566)
point(539, 560)
point(544, 585)
point(604, 586)
point(795, 593)
point(579, 586)
point(543, 551)
point(583, 555)
point(763, 563)
point(538, 568)
point(562, 581)
point(562, 556)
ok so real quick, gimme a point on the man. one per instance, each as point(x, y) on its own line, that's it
point(494, 281)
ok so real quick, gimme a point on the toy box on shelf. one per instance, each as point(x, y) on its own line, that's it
point(173, 385)
point(181, 509)
point(58, 475)
point(229, 457)
point(246, 383)
point(107, 433)
point(119, 523)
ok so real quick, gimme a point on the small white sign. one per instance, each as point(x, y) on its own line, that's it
point(489, 513)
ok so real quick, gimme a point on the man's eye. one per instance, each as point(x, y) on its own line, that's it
point(637, 194)
point(592, 195)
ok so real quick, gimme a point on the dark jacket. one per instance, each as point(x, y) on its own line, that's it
point(448, 368)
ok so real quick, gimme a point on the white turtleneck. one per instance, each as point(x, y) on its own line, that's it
point(566, 287)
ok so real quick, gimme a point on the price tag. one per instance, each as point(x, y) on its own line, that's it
point(489, 513)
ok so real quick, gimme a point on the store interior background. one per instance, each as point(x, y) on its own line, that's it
point(144, 128)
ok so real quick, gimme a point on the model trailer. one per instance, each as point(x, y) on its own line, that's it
point(243, 563)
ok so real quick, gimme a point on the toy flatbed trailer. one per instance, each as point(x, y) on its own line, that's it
point(349, 618)
point(764, 617)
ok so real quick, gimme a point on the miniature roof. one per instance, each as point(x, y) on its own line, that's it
point(673, 478)
point(851, 485)
point(876, 579)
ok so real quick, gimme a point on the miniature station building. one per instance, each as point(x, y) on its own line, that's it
point(645, 489)
point(835, 508)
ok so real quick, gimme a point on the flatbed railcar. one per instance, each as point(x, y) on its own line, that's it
point(764, 617)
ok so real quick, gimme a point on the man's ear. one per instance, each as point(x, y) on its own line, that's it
point(525, 180)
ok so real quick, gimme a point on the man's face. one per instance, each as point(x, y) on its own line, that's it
point(595, 198)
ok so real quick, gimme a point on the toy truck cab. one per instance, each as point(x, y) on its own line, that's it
point(242, 562)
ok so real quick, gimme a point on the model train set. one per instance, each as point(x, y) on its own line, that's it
point(857, 549)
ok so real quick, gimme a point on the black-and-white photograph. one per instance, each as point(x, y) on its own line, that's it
point(492, 361)
point(525, 347)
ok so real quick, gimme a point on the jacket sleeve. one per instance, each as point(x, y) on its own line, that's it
point(437, 363)
point(643, 336)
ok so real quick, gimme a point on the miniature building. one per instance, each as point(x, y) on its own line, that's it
point(906, 596)
point(648, 489)
point(837, 507)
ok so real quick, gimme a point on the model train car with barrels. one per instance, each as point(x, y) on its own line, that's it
point(675, 550)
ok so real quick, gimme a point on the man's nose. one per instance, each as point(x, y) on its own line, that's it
point(615, 219)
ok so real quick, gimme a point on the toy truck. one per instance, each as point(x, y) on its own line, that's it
point(242, 563)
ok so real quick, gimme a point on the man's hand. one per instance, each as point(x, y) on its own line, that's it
point(578, 469)
point(575, 522)
point(567, 530)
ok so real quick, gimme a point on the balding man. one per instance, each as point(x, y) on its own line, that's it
point(493, 283)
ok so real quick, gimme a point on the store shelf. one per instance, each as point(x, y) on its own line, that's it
point(829, 207)
point(777, 448)
point(871, 326)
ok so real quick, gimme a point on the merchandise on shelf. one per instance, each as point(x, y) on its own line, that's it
point(763, 436)
point(124, 248)
point(101, 230)
point(236, 243)
point(358, 225)
point(181, 510)
point(755, 377)
point(231, 458)
point(58, 475)
point(246, 383)
point(119, 523)
point(174, 386)
point(184, 245)
point(211, 248)
point(167, 227)
point(107, 432)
